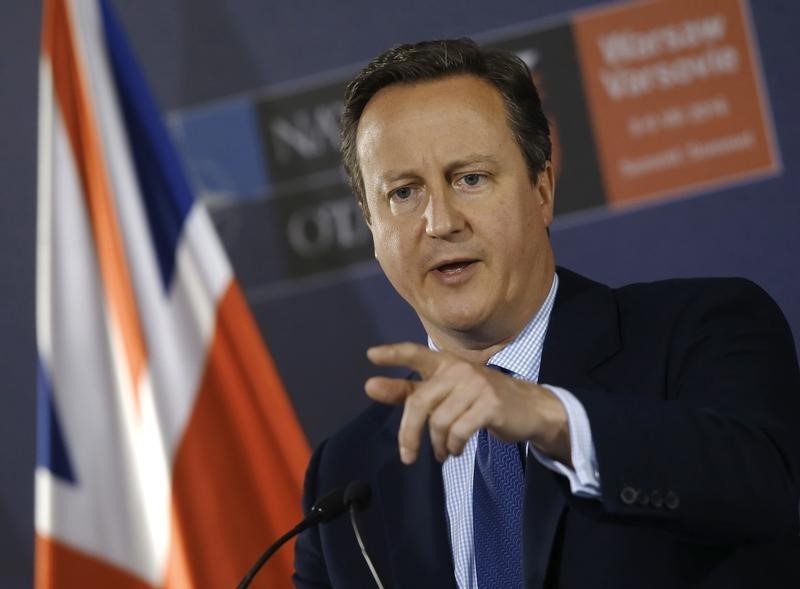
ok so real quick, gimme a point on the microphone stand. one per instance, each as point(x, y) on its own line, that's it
point(248, 578)
point(357, 496)
point(363, 548)
point(324, 510)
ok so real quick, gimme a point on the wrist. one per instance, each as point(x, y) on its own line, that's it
point(552, 433)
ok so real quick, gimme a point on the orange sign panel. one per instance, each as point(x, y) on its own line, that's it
point(675, 96)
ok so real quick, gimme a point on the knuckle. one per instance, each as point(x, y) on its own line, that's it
point(485, 378)
point(465, 370)
point(405, 348)
point(449, 370)
point(493, 403)
point(438, 422)
point(497, 415)
point(458, 370)
point(494, 410)
point(407, 388)
point(459, 434)
point(417, 403)
point(454, 444)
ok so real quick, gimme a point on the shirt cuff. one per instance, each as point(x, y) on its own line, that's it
point(584, 480)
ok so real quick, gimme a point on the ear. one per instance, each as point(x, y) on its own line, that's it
point(368, 221)
point(365, 213)
point(546, 189)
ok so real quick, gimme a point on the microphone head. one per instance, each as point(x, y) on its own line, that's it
point(328, 506)
point(357, 494)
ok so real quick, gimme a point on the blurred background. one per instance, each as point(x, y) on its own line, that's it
point(675, 127)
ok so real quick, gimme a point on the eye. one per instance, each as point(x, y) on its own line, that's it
point(404, 199)
point(400, 194)
point(472, 180)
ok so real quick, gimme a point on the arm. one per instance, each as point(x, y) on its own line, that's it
point(703, 409)
point(715, 455)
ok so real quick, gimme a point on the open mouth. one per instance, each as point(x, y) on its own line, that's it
point(451, 268)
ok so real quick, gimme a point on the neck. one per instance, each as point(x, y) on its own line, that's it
point(469, 348)
point(482, 342)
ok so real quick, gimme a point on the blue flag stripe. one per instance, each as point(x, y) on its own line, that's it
point(51, 451)
point(165, 190)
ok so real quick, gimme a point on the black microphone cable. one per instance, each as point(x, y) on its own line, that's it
point(356, 497)
point(324, 509)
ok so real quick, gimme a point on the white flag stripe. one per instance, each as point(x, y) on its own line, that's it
point(176, 335)
point(44, 212)
point(91, 514)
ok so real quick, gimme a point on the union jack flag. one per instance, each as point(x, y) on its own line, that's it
point(168, 453)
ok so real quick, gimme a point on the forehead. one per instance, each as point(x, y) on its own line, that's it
point(435, 119)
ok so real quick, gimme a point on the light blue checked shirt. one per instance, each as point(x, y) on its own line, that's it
point(522, 359)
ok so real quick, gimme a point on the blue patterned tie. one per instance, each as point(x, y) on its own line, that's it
point(497, 490)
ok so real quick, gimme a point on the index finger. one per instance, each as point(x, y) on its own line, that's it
point(406, 354)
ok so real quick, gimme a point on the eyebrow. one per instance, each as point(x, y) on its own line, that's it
point(394, 175)
point(469, 160)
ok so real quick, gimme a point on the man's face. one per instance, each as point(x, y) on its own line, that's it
point(459, 227)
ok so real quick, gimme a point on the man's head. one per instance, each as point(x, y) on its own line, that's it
point(433, 60)
point(458, 210)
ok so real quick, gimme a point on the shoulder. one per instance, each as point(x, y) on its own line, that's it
point(704, 299)
point(709, 321)
point(688, 290)
point(353, 451)
point(673, 296)
point(674, 310)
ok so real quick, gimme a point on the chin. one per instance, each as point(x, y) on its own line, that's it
point(460, 320)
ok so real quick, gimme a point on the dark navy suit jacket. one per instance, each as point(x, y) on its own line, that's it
point(693, 395)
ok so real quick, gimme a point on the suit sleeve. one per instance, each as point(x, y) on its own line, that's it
point(310, 571)
point(717, 457)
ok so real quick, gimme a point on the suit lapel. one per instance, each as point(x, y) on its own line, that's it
point(415, 514)
point(582, 333)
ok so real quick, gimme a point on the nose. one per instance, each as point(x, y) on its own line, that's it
point(443, 218)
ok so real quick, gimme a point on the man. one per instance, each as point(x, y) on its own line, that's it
point(559, 433)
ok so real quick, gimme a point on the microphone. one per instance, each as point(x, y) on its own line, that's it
point(356, 498)
point(325, 509)
point(357, 494)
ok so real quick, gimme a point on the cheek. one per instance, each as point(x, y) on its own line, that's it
point(388, 247)
point(516, 234)
point(508, 229)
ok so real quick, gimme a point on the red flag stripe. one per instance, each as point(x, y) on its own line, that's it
point(239, 469)
point(71, 89)
point(58, 565)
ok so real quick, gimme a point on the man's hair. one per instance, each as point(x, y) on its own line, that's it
point(433, 60)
